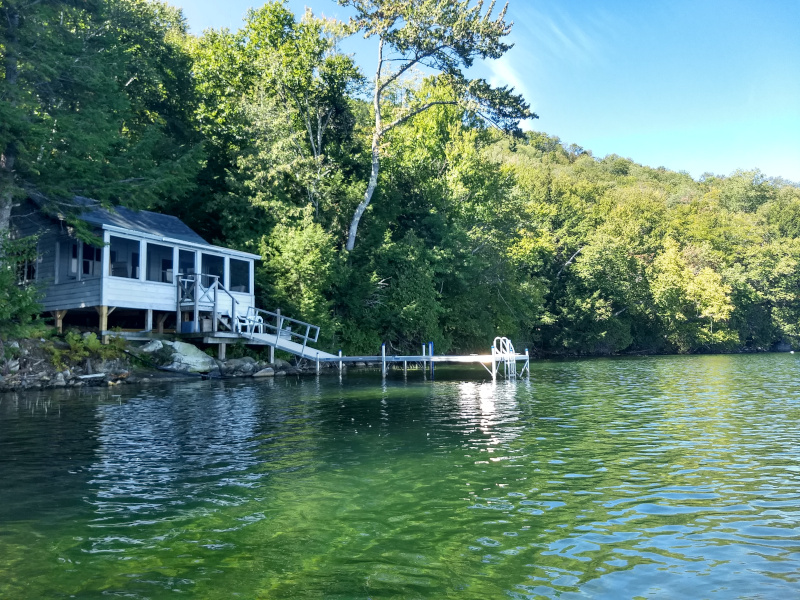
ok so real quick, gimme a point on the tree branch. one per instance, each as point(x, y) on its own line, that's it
point(414, 113)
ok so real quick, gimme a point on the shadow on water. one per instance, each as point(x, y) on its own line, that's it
point(665, 477)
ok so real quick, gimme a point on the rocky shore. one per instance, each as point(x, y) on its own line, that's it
point(33, 368)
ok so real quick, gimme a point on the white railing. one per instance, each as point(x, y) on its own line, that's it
point(258, 320)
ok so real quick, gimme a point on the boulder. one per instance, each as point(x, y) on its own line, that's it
point(281, 364)
point(266, 372)
point(189, 359)
point(152, 346)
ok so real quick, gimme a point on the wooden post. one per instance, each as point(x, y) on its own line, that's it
point(102, 311)
point(216, 306)
point(162, 318)
point(196, 314)
point(178, 307)
point(148, 320)
point(277, 335)
point(59, 315)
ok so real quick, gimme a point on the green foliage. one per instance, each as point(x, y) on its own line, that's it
point(18, 301)
point(95, 100)
point(80, 347)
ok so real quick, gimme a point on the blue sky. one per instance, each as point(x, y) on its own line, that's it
point(701, 86)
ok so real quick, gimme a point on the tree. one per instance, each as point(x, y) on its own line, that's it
point(275, 106)
point(445, 37)
point(91, 98)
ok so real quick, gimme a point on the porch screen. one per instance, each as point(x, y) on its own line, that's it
point(124, 258)
point(240, 276)
point(212, 265)
point(159, 263)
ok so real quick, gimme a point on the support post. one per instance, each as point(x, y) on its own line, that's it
point(102, 311)
point(148, 320)
point(494, 371)
point(196, 315)
point(423, 359)
point(59, 315)
point(383, 359)
point(162, 319)
point(317, 363)
point(177, 306)
point(340, 360)
point(221, 351)
point(277, 335)
point(527, 363)
point(216, 307)
point(430, 353)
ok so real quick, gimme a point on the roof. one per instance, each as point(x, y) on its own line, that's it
point(145, 222)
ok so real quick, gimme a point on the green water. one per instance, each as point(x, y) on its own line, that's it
point(668, 477)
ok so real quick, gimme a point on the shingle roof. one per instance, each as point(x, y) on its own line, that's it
point(144, 221)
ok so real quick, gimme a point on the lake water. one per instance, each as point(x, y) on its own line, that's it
point(664, 477)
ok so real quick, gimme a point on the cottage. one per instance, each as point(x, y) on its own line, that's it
point(151, 273)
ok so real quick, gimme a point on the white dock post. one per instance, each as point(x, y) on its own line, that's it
point(494, 371)
point(430, 353)
point(528, 362)
point(383, 359)
point(340, 360)
point(317, 363)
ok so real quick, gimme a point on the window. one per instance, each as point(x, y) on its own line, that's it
point(159, 263)
point(67, 261)
point(124, 258)
point(23, 253)
point(212, 266)
point(240, 276)
point(92, 261)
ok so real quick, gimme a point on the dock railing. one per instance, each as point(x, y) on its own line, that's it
point(258, 320)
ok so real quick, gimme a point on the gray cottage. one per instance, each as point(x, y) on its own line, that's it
point(152, 273)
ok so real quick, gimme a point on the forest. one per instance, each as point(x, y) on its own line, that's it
point(402, 207)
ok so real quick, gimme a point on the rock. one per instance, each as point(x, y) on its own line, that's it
point(266, 372)
point(59, 380)
point(152, 346)
point(360, 364)
point(280, 373)
point(281, 364)
point(238, 363)
point(189, 359)
point(13, 365)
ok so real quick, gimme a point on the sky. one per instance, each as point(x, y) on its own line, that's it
point(703, 86)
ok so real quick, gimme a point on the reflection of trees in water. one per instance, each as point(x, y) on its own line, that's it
point(48, 444)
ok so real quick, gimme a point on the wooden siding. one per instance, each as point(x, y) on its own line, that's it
point(75, 294)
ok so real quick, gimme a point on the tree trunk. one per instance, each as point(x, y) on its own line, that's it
point(373, 183)
point(376, 140)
